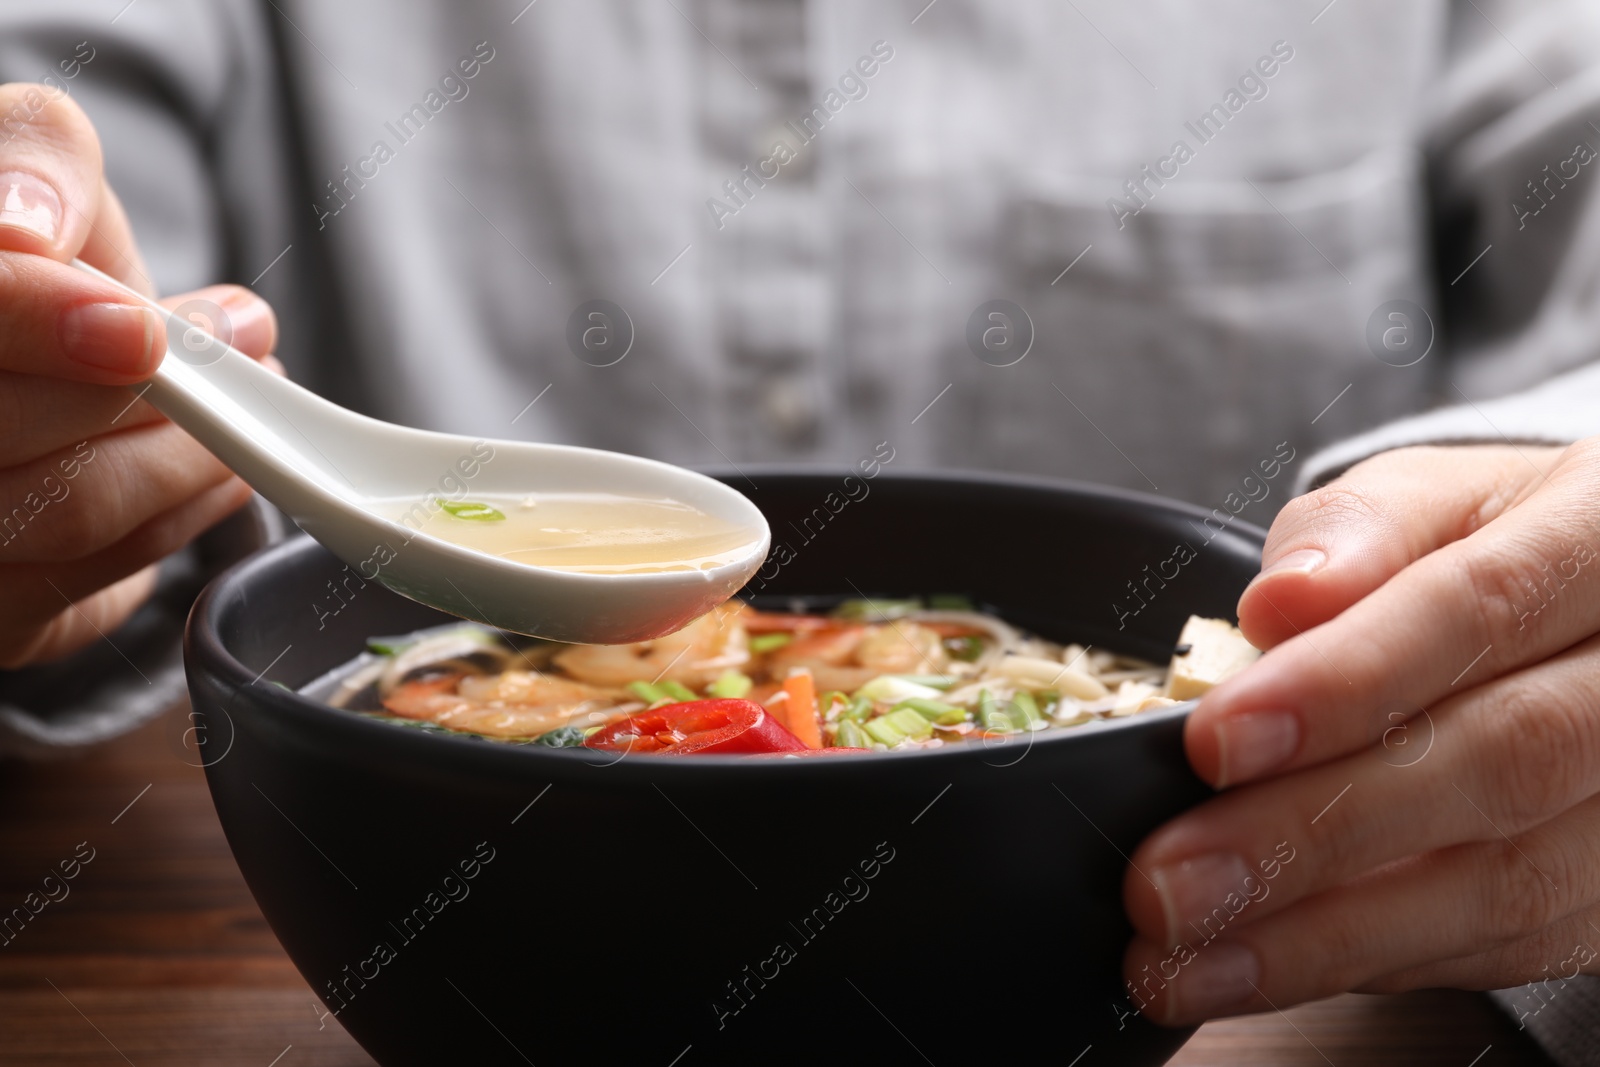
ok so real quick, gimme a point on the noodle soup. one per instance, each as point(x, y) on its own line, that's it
point(869, 675)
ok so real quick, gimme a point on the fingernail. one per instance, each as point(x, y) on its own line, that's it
point(244, 311)
point(1221, 975)
point(1251, 745)
point(1300, 561)
point(114, 337)
point(27, 203)
point(1195, 894)
point(243, 303)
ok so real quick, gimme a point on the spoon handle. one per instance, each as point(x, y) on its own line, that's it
point(241, 412)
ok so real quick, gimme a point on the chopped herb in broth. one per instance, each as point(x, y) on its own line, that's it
point(468, 509)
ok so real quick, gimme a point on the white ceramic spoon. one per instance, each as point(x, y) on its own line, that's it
point(337, 473)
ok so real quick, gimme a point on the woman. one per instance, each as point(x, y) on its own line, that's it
point(1214, 241)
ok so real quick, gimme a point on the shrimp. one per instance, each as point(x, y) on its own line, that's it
point(694, 655)
point(828, 654)
point(903, 647)
point(848, 657)
point(510, 704)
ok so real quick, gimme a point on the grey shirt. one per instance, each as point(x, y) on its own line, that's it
point(1197, 215)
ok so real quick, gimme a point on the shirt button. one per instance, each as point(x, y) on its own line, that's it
point(798, 153)
point(789, 405)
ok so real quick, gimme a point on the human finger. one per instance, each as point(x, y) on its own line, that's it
point(1334, 545)
point(50, 175)
point(1405, 916)
point(39, 415)
point(1461, 613)
point(1502, 758)
point(71, 504)
point(47, 616)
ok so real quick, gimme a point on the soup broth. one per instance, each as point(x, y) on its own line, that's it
point(596, 533)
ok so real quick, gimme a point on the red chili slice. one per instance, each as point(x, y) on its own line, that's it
point(698, 727)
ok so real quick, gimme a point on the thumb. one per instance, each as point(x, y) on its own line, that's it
point(49, 172)
point(1332, 546)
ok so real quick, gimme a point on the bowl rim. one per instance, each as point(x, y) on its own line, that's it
point(205, 650)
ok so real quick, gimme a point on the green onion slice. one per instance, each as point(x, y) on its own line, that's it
point(468, 509)
point(732, 684)
point(769, 642)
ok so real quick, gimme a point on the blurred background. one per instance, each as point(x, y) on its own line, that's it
point(803, 208)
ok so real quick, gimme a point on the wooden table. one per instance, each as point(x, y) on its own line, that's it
point(157, 955)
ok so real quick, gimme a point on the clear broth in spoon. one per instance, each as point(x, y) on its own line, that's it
point(595, 533)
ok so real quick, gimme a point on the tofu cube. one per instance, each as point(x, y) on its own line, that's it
point(1209, 652)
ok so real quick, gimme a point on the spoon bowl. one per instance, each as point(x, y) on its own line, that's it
point(348, 480)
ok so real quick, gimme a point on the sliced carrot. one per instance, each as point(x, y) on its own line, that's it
point(801, 708)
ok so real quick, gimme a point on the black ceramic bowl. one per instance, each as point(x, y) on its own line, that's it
point(461, 901)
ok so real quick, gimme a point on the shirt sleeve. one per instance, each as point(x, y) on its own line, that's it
point(1556, 412)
